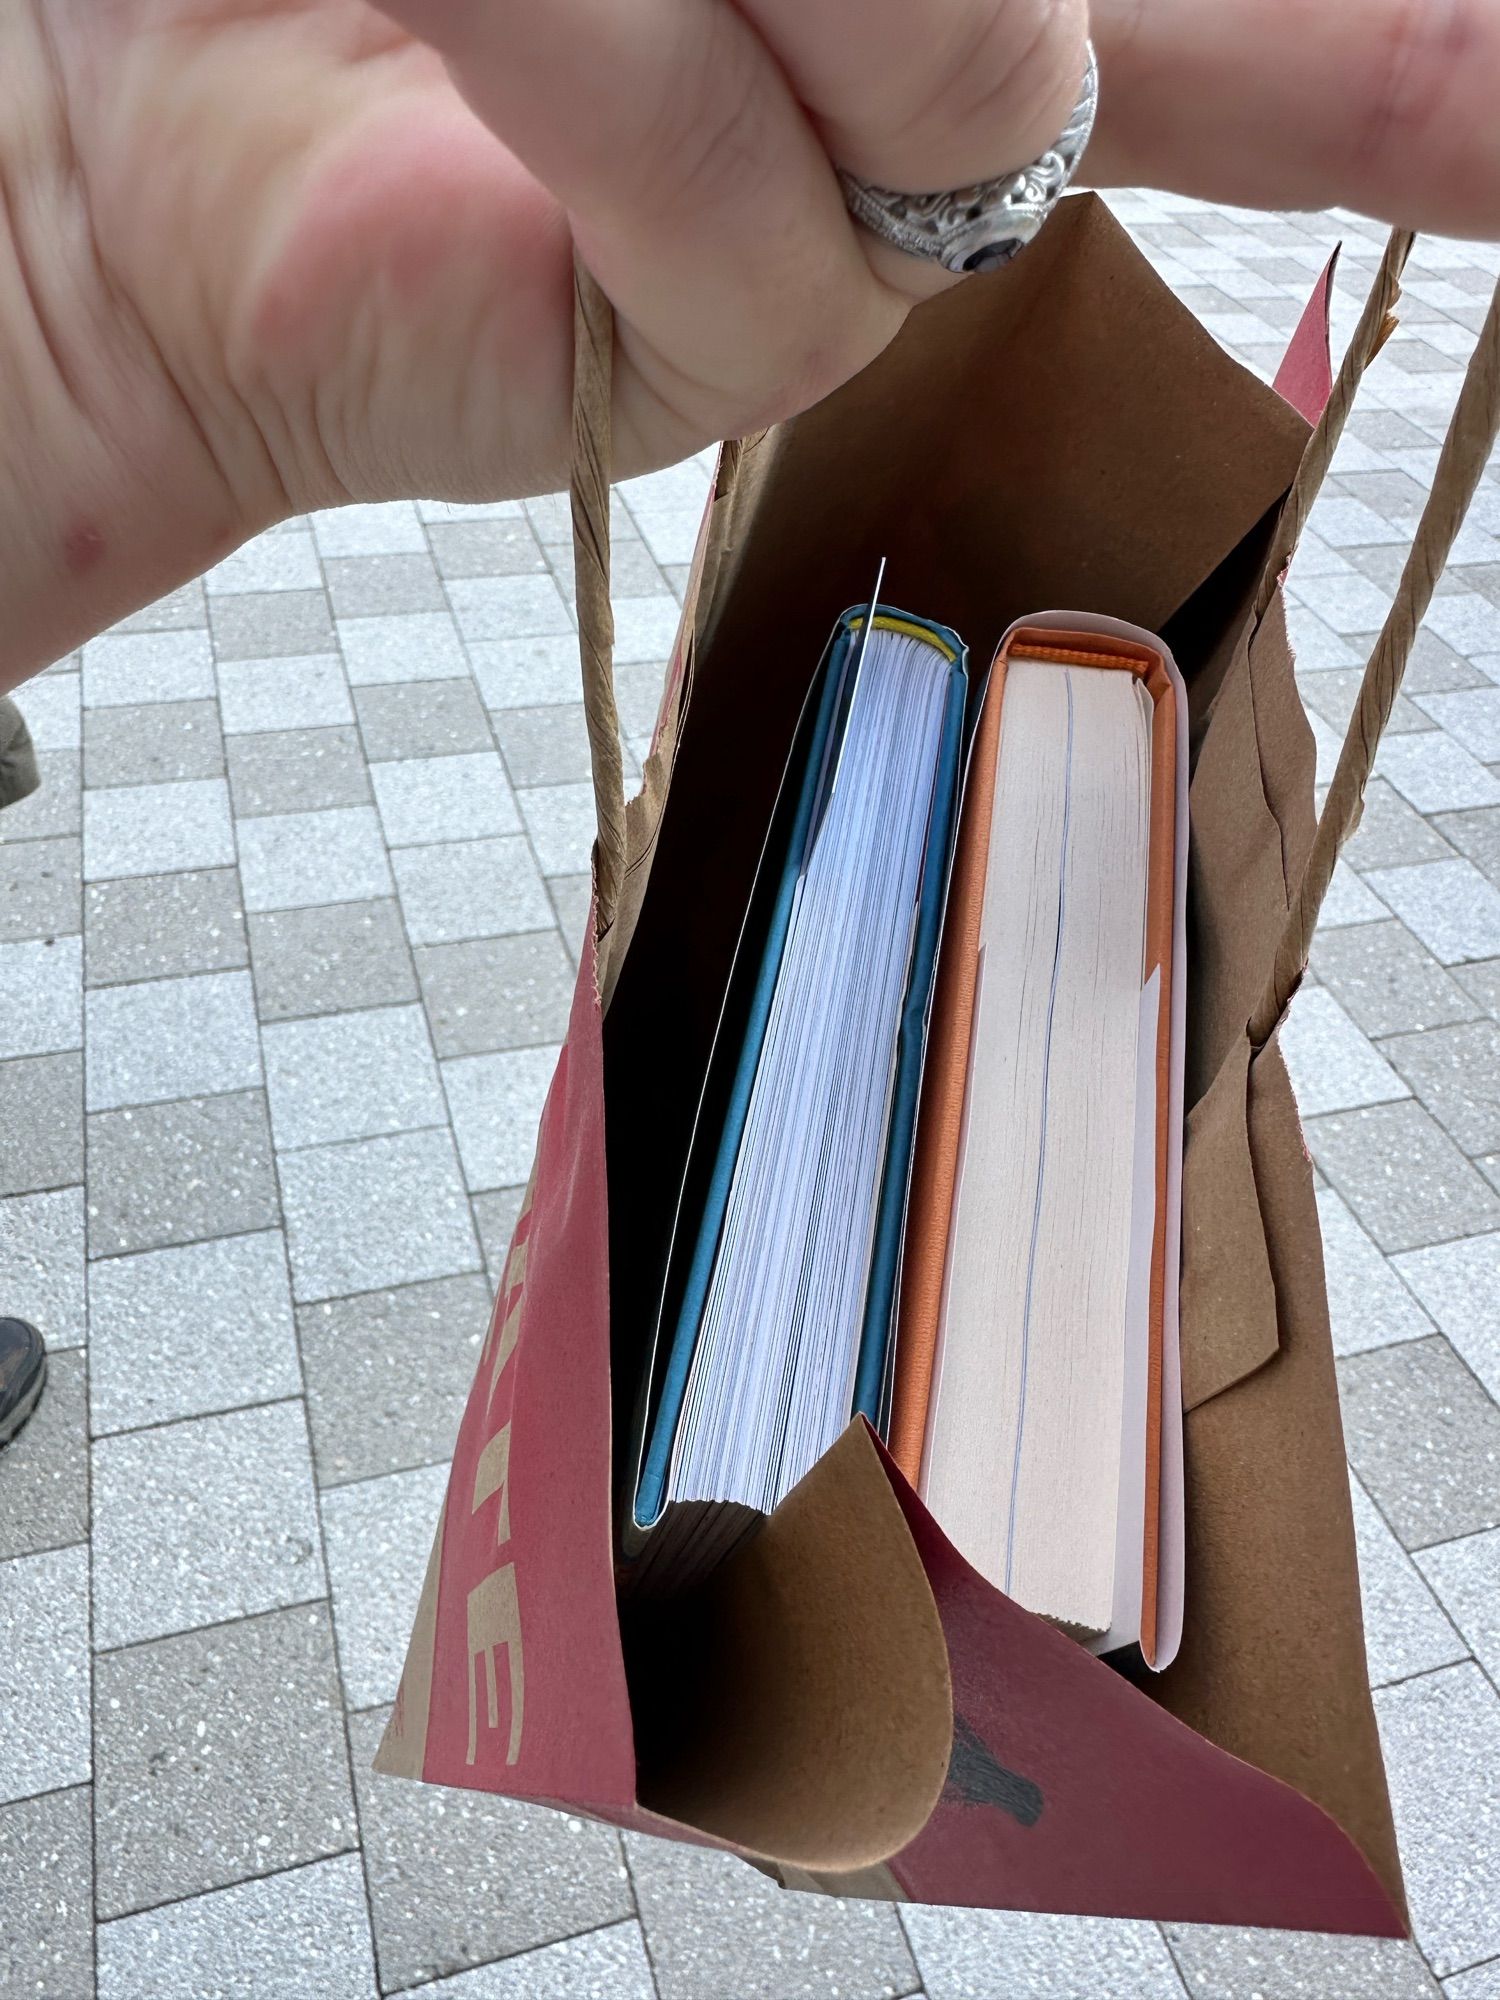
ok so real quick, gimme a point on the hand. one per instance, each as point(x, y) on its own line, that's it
point(266, 255)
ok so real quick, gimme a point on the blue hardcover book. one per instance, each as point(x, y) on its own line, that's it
point(780, 1290)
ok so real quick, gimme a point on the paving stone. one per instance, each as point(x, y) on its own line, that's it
point(633, 569)
point(1465, 1574)
point(175, 1173)
point(1051, 1958)
point(496, 993)
point(1476, 834)
point(1455, 1071)
point(495, 1214)
point(170, 1038)
point(1482, 983)
point(716, 1929)
point(1395, 495)
point(1435, 774)
point(520, 673)
point(508, 607)
point(1471, 716)
point(457, 1878)
point(284, 558)
point(42, 1098)
point(121, 669)
point(1406, 1630)
point(282, 1938)
point(470, 889)
point(41, 996)
point(44, 1494)
point(560, 821)
point(1349, 604)
point(262, 625)
point(390, 527)
point(670, 533)
point(377, 585)
point(1218, 1963)
point(1385, 429)
point(551, 518)
point(158, 926)
point(1459, 1284)
point(152, 743)
point(1368, 1305)
point(44, 1673)
point(55, 807)
point(431, 799)
point(646, 629)
point(220, 1755)
point(608, 1964)
point(544, 746)
point(1316, 647)
point(1333, 1066)
point(374, 1213)
point(44, 1262)
point(485, 548)
point(408, 646)
point(422, 719)
point(303, 691)
point(296, 770)
point(1386, 981)
point(1435, 668)
point(379, 1535)
point(296, 859)
point(47, 1897)
point(1441, 1737)
point(1424, 1439)
point(1468, 621)
point(1402, 1175)
point(388, 1373)
point(1481, 1983)
point(50, 705)
point(351, 1076)
point(39, 888)
point(203, 1521)
point(572, 897)
point(176, 611)
point(189, 1330)
point(495, 1102)
point(1332, 696)
point(324, 961)
point(154, 829)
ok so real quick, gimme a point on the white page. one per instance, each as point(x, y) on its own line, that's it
point(772, 1376)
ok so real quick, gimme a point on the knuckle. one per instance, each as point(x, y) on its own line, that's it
point(1003, 75)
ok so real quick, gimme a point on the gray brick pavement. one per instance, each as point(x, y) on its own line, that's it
point(286, 942)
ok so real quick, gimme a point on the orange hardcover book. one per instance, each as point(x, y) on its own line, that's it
point(1015, 1429)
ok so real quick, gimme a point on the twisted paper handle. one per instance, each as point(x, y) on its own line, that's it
point(593, 368)
point(1376, 323)
point(1465, 454)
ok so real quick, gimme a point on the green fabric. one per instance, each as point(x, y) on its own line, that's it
point(19, 776)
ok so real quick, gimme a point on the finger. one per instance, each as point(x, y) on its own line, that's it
point(1386, 107)
point(931, 96)
point(698, 191)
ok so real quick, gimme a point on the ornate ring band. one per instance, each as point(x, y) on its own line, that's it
point(979, 228)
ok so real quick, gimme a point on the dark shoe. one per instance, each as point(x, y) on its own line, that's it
point(23, 1370)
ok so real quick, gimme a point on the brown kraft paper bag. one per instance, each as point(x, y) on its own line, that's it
point(847, 1703)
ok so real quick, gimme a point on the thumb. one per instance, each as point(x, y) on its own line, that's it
point(1386, 107)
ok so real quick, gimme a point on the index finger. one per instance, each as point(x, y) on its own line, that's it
point(1386, 107)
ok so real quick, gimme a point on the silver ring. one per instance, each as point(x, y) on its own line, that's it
point(979, 228)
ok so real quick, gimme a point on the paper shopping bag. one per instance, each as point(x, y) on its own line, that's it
point(847, 1702)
